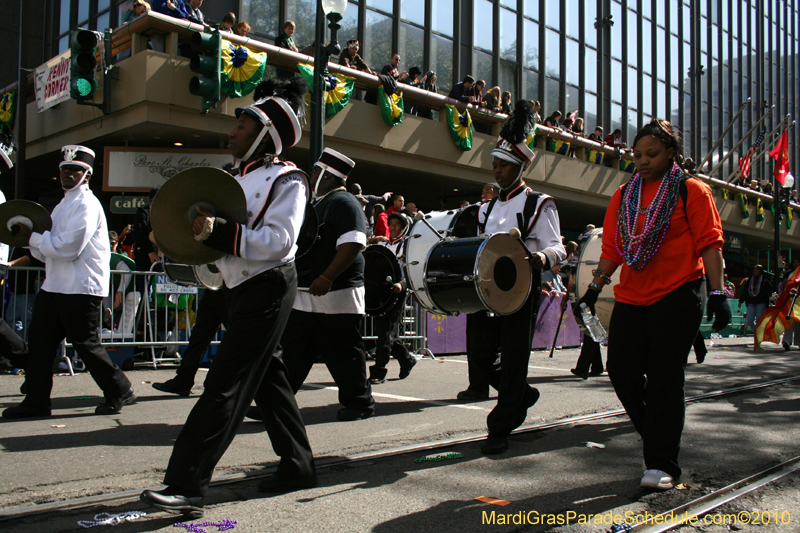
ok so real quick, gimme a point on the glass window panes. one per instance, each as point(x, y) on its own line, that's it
point(675, 76)
point(647, 8)
point(103, 21)
point(442, 13)
point(616, 31)
point(482, 67)
point(572, 102)
point(704, 34)
point(687, 23)
point(531, 9)
point(531, 86)
point(661, 99)
point(616, 118)
point(553, 14)
point(552, 98)
point(590, 71)
point(632, 126)
point(574, 18)
point(553, 51)
point(633, 89)
point(103, 4)
point(410, 49)
point(616, 80)
point(508, 34)
point(442, 59)
point(673, 17)
point(573, 62)
point(633, 38)
point(647, 43)
point(349, 25)
point(530, 43)
point(303, 13)
point(589, 21)
point(63, 44)
point(482, 24)
point(675, 112)
point(377, 50)
point(387, 6)
point(264, 18)
point(646, 101)
point(510, 4)
point(661, 47)
point(589, 113)
point(508, 78)
point(63, 24)
point(661, 12)
point(83, 12)
point(414, 11)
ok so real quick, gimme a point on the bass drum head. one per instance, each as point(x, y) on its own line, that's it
point(465, 222)
point(588, 259)
point(421, 240)
point(379, 264)
point(504, 275)
point(208, 276)
point(178, 272)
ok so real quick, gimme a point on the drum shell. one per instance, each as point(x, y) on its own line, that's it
point(453, 223)
point(380, 263)
point(192, 275)
point(588, 259)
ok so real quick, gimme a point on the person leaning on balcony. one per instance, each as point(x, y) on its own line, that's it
point(172, 8)
point(228, 22)
point(463, 89)
point(139, 7)
point(242, 29)
point(429, 85)
point(285, 40)
point(665, 253)
point(393, 68)
point(350, 58)
point(552, 120)
point(492, 99)
point(194, 13)
point(597, 136)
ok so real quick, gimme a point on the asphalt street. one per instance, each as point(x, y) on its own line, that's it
point(75, 453)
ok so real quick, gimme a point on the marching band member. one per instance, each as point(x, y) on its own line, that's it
point(387, 326)
point(536, 216)
point(77, 256)
point(327, 319)
point(260, 285)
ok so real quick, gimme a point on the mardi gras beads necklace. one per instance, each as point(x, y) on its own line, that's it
point(639, 249)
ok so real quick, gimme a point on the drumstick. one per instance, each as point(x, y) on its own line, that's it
point(420, 216)
point(515, 233)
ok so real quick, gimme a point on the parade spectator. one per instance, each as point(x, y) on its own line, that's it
point(461, 90)
point(411, 207)
point(144, 249)
point(139, 7)
point(755, 293)
point(413, 79)
point(614, 138)
point(172, 8)
point(242, 29)
point(505, 102)
point(228, 22)
point(492, 99)
point(125, 241)
point(476, 94)
point(489, 191)
point(537, 118)
point(552, 120)
point(350, 58)
point(193, 12)
point(392, 69)
point(371, 200)
point(567, 124)
point(284, 40)
point(382, 221)
point(577, 127)
point(429, 85)
point(597, 136)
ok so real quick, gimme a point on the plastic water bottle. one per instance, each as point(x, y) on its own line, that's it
point(593, 325)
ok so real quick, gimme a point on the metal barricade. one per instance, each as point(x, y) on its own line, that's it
point(412, 328)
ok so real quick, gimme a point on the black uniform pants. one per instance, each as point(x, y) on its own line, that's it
point(513, 335)
point(247, 366)
point(387, 328)
point(56, 316)
point(477, 383)
point(647, 351)
point(590, 356)
point(211, 313)
point(337, 339)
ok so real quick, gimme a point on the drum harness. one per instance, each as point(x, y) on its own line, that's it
point(529, 211)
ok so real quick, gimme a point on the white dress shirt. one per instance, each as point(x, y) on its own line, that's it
point(76, 251)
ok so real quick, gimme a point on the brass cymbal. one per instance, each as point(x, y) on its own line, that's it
point(174, 207)
point(36, 212)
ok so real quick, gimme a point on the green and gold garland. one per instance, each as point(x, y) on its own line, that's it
point(242, 69)
point(337, 98)
point(460, 126)
point(391, 107)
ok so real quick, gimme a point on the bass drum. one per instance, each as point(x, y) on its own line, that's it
point(461, 223)
point(381, 271)
point(206, 276)
point(490, 272)
point(588, 259)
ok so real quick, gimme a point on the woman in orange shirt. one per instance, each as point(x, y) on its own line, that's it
point(663, 228)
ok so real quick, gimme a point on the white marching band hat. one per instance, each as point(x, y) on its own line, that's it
point(76, 155)
point(336, 163)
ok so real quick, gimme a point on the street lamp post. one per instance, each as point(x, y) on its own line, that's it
point(333, 10)
point(781, 192)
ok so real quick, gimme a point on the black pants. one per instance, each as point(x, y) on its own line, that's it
point(590, 356)
point(647, 351)
point(211, 313)
point(513, 334)
point(389, 345)
point(477, 383)
point(247, 366)
point(337, 339)
point(56, 316)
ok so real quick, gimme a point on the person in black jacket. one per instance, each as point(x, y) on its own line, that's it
point(462, 90)
point(144, 251)
point(284, 40)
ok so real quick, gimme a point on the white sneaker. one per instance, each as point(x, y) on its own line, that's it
point(657, 479)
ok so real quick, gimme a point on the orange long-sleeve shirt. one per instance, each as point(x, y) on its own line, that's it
point(694, 226)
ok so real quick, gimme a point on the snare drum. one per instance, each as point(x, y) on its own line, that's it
point(192, 275)
point(459, 223)
point(381, 271)
point(490, 272)
point(591, 249)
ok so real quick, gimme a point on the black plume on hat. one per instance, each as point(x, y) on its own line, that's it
point(517, 128)
point(292, 90)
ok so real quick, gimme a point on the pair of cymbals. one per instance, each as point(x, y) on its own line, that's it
point(37, 214)
point(174, 208)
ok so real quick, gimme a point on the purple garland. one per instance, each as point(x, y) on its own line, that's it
point(639, 249)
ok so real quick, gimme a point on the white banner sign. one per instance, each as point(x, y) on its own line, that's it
point(52, 82)
point(141, 169)
point(165, 286)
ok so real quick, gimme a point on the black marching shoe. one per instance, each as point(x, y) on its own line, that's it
point(348, 414)
point(254, 413)
point(171, 501)
point(787, 346)
point(582, 375)
point(175, 386)
point(494, 445)
point(405, 367)
point(113, 407)
point(23, 411)
point(277, 484)
point(472, 395)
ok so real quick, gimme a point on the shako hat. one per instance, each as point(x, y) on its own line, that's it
point(337, 164)
point(76, 155)
point(512, 143)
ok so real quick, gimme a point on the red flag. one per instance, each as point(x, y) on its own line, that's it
point(781, 156)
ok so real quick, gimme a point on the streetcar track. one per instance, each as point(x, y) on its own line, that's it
point(128, 495)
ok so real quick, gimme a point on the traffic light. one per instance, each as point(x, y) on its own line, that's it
point(206, 61)
point(82, 82)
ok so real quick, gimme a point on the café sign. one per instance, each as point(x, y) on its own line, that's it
point(141, 169)
point(127, 205)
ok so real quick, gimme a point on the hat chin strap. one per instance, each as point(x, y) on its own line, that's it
point(85, 179)
point(259, 138)
point(517, 180)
